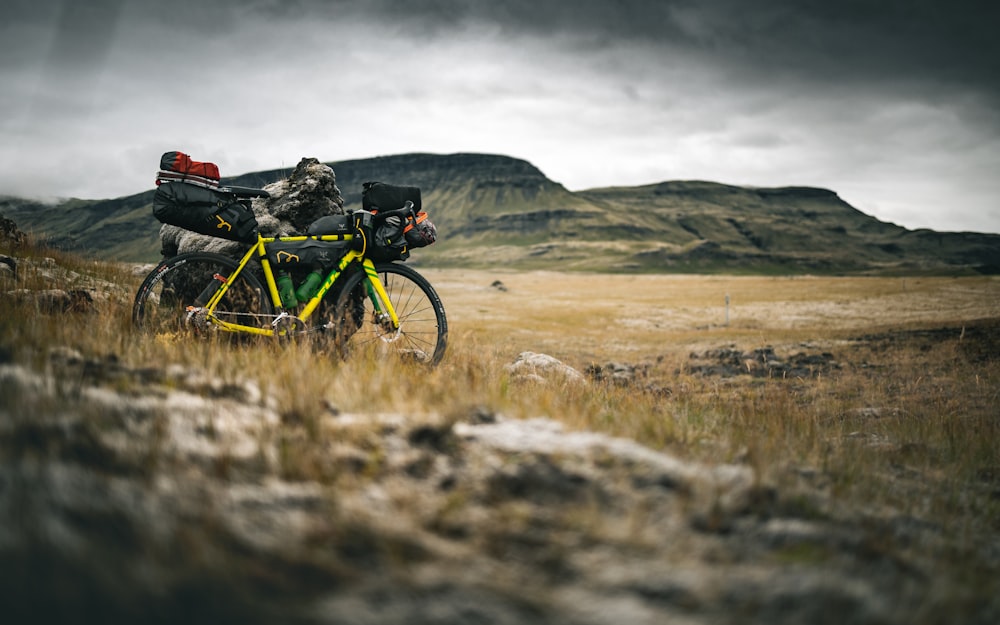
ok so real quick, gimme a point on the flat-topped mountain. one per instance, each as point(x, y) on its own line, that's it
point(494, 210)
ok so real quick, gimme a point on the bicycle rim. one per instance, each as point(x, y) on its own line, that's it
point(164, 302)
point(360, 330)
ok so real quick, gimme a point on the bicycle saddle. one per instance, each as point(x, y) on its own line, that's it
point(245, 192)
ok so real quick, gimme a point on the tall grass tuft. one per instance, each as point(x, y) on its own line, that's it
point(908, 424)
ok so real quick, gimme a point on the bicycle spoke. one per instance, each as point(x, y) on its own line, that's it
point(171, 299)
point(422, 328)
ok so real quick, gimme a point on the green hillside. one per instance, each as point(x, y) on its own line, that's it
point(494, 210)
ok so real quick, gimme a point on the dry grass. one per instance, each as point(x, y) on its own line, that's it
point(908, 423)
point(585, 317)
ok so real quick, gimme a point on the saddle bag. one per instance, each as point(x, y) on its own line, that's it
point(205, 211)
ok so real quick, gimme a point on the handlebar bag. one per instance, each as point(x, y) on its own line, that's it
point(394, 238)
point(205, 211)
point(377, 196)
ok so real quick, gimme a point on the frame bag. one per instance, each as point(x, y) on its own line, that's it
point(308, 255)
point(205, 211)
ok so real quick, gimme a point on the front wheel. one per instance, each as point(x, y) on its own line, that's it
point(170, 298)
point(361, 326)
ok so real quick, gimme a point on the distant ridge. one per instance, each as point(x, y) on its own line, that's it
point(498, 211)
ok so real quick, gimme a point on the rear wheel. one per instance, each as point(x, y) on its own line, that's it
point(169, 299)
point(358, 328)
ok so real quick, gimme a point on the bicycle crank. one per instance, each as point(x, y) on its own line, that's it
point(286, 325)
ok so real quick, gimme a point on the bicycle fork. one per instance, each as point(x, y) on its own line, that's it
point(385, 313)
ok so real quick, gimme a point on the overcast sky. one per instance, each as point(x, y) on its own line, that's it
point(893, 104)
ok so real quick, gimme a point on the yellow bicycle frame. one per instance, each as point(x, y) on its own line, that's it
point(377, 292)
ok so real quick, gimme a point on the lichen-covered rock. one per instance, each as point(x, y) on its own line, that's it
point(10, 232)
point(8, 267)
point(309, 193)
point(535, 367)
point(59, 300)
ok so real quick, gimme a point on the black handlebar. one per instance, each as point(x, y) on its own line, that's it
point(405, 211)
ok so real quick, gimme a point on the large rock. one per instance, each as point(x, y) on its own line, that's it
point(534, 367)
point(11, 233)
point(310, 192)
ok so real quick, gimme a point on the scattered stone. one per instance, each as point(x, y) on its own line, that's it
point(8, 267)
point(141, 270)
point(542, 368)
point(621, 374)
point(11, 233)
point(761, 363)
point(871, 413)
point(389, 518)
point(50, 301)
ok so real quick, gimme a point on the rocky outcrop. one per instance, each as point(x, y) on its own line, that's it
point(48, 292)
point(433, 172)
point(762, 362)
point(10, 233)
point(162, 495)
point(51, 301)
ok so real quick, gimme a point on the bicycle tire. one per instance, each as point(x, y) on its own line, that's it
point(423, 332)
point(162, 301)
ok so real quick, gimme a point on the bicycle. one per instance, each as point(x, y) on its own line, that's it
point(362, 303)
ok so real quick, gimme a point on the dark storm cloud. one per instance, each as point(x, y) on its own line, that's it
point(894, 104)
point(939, 52)
point(915, 41)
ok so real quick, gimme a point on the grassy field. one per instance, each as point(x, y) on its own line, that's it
point(901, 415)
point(911, 397)
point(585, 317)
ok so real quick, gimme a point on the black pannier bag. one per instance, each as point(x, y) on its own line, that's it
point(305, 256)
point(393, 239)
point(205, 211)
